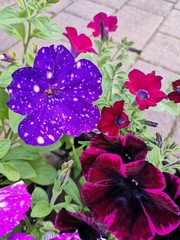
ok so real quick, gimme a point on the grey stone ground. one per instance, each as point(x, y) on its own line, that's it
point(153, 25)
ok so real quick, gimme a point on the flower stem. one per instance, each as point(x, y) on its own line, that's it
point(26, 44)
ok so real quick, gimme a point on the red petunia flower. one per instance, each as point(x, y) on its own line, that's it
point(175, 95)
point(129, 147)
point(109, 24)
point(130, 198)
point(79, 43)
point(113, 119)
point(146, 88)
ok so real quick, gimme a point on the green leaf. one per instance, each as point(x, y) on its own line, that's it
point(20, 153)
point(3, 106)
point(75, 155)
point(172, 108)
point(16, 30)
point(125, 58)
point(5, 77)
point(11, 172)
point(45, 28)
point(14, 120)
point(41, 209)
point(9, 15)
point(38, 195)
point(25, 169)
point(36, 232)
point(5, 145)
point(72, 190)
point(45, 173)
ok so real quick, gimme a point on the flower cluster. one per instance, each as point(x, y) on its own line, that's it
point(124, 194)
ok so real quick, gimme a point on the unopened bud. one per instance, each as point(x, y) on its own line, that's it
point(6, 57)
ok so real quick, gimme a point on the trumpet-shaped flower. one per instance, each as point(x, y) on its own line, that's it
point(146, 88)
point(109, 24)
point(113, 119)
point(79, 43)
point(56, 96)
point(130, 198)
point(73, 221)
point(175, 95)
point(14, 203)
point(129, 148)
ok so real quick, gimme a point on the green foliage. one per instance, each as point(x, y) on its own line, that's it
point(3, 106)
point(5, 77)
point(38, 195)
point(4, 147)
point(9, 15)
point(41, 209)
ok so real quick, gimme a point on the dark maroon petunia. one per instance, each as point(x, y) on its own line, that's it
point(109, 24)
point(128, 147)
point(66, 221)
point(173, 190)
point(146, 88)
point(175, 95)
point(113, 119)
point(79, 43)
point(129, 198)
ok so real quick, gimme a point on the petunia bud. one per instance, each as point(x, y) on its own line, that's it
point(6, 57)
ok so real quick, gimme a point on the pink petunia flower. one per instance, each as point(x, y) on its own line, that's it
point(109, 24)
point(14, 203)
point(175, 95)
point(67, 236)
point(146, 88)
point(130, 198)
point(113, 119)
point(79, 43)
point(129, 147)
point(21, 236)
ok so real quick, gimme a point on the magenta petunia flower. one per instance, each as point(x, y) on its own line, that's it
point(175, 95)
point(79, 43)
point(173, 190)
point(66, 221)
point(128, 147)
point(21, 236)
point(14, 203)
point(146, 88)
point(109, 24)
point(130, 198)
point(67, 236)
point(113, 119)
point(56, 96)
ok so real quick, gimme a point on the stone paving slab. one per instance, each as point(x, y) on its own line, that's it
point(58, 7)
point(137, 25)
point(171, 25)
point(159, 7)
point(4, 3)
point(173, 1)
point(86, 9)
point(116, 4)
point(178, 5)
point(163, 51)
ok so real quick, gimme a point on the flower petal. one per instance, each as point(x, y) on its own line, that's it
point(21, 236)
point(14, 203)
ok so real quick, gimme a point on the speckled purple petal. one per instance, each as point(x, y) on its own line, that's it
point(14, 203)
point(57, 95)
point(21, 236)
point(42, 127)
point(67, 236)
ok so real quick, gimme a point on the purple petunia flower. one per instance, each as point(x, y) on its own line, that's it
point(71, 221)
point(130, 198)
point(56, 96)
point(129, 148)
point(14, 203)
point(21, 236)
point(67, 236)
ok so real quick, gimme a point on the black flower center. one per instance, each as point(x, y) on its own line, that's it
point(142, 94)
point(119, 120)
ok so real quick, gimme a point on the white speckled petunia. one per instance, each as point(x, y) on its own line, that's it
point(56, 96)
point(14, 203)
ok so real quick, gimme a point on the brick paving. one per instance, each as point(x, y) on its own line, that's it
point(153, 26)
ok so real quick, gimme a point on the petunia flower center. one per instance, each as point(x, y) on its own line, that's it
point(142, 94)
point(135, 182)
point(48, 92)
point(119, 120)
point(178, 89)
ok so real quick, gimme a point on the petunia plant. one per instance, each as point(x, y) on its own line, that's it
point(78, 157)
